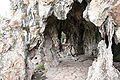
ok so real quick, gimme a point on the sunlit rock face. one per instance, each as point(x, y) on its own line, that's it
point(61, 8)
point(115, 14)
point(104, 14)
point(102, 68)
point(100, 10)
point(12, 54)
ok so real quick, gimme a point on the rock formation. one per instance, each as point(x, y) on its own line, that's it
point(41, 32)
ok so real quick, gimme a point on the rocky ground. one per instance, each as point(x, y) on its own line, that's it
point(69, 69)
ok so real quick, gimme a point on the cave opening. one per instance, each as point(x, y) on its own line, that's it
point(74, 36)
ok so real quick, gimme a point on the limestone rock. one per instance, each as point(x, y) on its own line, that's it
point(102, 68)
point(118, 34)
point(12, 55)
point(97, 11)
point(115, 14)
point(61, 8)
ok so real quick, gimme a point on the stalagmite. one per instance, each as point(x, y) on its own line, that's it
point(102, 68)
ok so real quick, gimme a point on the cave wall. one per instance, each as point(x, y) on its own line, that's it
point(32, 36)
point(102, 68)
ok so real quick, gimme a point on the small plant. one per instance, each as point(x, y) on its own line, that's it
point(40, 67)
point(63, 37)
point(1, 34)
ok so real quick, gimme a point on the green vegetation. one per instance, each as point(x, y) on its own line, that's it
point(40, 67)
point(63, 37)
point(1, 34)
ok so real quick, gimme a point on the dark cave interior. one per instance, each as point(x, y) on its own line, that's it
point(76, 32)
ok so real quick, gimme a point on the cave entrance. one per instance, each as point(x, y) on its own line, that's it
point(74, 36)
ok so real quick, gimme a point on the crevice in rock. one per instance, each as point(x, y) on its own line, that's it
point(106, 40)
point(82, 37)
point(116, 51)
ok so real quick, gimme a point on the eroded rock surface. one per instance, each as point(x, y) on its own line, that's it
point(102, 68)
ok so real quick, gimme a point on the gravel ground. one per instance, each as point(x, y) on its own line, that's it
point(68, 69)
